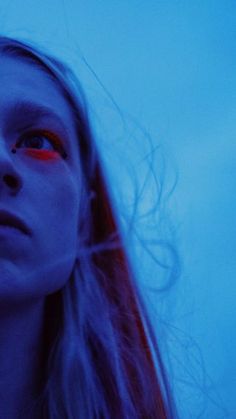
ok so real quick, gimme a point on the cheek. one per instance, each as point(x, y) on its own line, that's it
point(62, 190)
point(58, 236)
point(65, 209)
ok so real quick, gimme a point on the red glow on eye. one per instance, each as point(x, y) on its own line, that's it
point(31, 149)
point(42, 154)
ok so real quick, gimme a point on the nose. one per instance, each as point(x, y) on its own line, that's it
point(10, 178)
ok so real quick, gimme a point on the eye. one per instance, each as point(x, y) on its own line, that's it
point(43, 141)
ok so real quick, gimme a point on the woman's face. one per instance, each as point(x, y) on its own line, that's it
point(36, 183)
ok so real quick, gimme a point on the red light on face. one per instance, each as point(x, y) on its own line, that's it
point(42, 154)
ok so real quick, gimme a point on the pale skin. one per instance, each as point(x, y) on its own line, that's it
point(46, 196)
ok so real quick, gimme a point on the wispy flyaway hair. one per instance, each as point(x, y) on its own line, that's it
point(98, 361)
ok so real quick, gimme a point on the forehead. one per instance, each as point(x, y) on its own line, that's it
point(24, 81)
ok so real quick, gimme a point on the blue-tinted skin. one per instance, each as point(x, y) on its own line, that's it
point(45, 194)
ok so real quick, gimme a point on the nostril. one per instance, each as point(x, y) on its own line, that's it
point(11, 181)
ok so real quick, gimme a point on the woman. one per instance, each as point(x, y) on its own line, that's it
point(75, 337)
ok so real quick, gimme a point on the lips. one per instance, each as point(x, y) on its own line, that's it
point(9, 219)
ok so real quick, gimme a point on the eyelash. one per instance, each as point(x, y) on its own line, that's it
point(52, 138)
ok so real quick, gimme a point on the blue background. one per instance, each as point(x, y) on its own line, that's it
point(170, 66)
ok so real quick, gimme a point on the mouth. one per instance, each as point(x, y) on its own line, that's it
point(8, 219)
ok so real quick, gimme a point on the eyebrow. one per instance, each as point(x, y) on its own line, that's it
point(29, 112)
